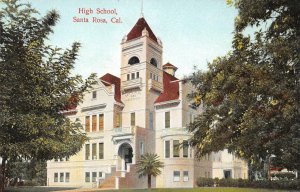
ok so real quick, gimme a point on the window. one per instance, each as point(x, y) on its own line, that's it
point(101, 150)
point(185, 176)
point(101, 122)
point(118, 119)
point(94, 94)
point(185, 147)
point(87, 124)
point(227, 174)
point(132, 75)
point(133, 60)
point(94, 151)
point(175, 148)
point(167, 149)
point(167, 119)
point(132, 119)
point(87, 177)
point(67, 177)
point(94, 123)
point(137, 75)
point(55, 177)
point(61, 177)
point(142, 148)
point(87, 151)
point(128, 77)
point(150, 75)
point(151, 120)
point(100, 174)
point(176, 176)
point(153, 62)
point(94, 176)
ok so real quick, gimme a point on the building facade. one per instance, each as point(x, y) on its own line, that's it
point(146, 110)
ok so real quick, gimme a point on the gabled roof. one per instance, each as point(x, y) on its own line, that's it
point(136, 31)
point(171, 89)
point(111, 79)
point(169, 65)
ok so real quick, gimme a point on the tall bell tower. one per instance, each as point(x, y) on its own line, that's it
point(141, 73)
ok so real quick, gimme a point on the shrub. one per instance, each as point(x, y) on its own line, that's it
point(277, 184)
point(205, 182)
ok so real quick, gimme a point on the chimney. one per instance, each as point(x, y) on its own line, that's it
point(169, 68)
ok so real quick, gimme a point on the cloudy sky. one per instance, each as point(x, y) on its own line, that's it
point(193, 32)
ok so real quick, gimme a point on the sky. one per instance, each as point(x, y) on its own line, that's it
point(193, 32)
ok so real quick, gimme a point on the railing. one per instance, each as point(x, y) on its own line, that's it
point(155, 85)
point(175, 131)
point(131, 84)
point(124, 130)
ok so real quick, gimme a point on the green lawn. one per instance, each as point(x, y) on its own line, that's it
point(208, 189)
point(204, 189)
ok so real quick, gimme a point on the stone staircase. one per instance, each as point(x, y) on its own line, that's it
point(129, 179)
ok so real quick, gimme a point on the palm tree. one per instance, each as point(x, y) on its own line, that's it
point(149, 165)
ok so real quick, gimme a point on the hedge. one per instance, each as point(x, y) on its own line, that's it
point(277, 184)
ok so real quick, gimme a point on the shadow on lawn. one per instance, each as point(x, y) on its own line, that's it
point(37, 189)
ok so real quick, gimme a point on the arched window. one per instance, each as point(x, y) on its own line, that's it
point(133, 60)
point(153, 62)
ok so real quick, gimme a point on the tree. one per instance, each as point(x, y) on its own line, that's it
point(149, 165)
point(251, 95)
point(36, 85)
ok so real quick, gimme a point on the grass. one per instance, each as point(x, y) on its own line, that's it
point(208, 189)
point(203, 189)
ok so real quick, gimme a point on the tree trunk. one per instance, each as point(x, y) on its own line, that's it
point(149, 181)
point(2, 175)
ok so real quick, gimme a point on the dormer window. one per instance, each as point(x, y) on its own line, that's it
point(133, 60)
point(153, 62)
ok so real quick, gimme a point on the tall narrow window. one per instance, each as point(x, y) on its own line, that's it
point(94, 123)
point(100, 174)
point(151, 75)
point(87, 177)
point(128, 77)
point(94, 94)
point(87, 151)
point(142, 148)
point(167, 119)
point(67, 177)
point(94, 176)
point(118, 119)
point(185, 176)
point(94, 151)
point(176, 176)
point(132, 122)
point(137, 75)
point(132, 75)
point(87, 124)
point(55, 177)
point(101, 150)
point(151, 120)
point(61, 177)
point(185, 147)
point(101, 122)
point(175, 148)
point(167, 149)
